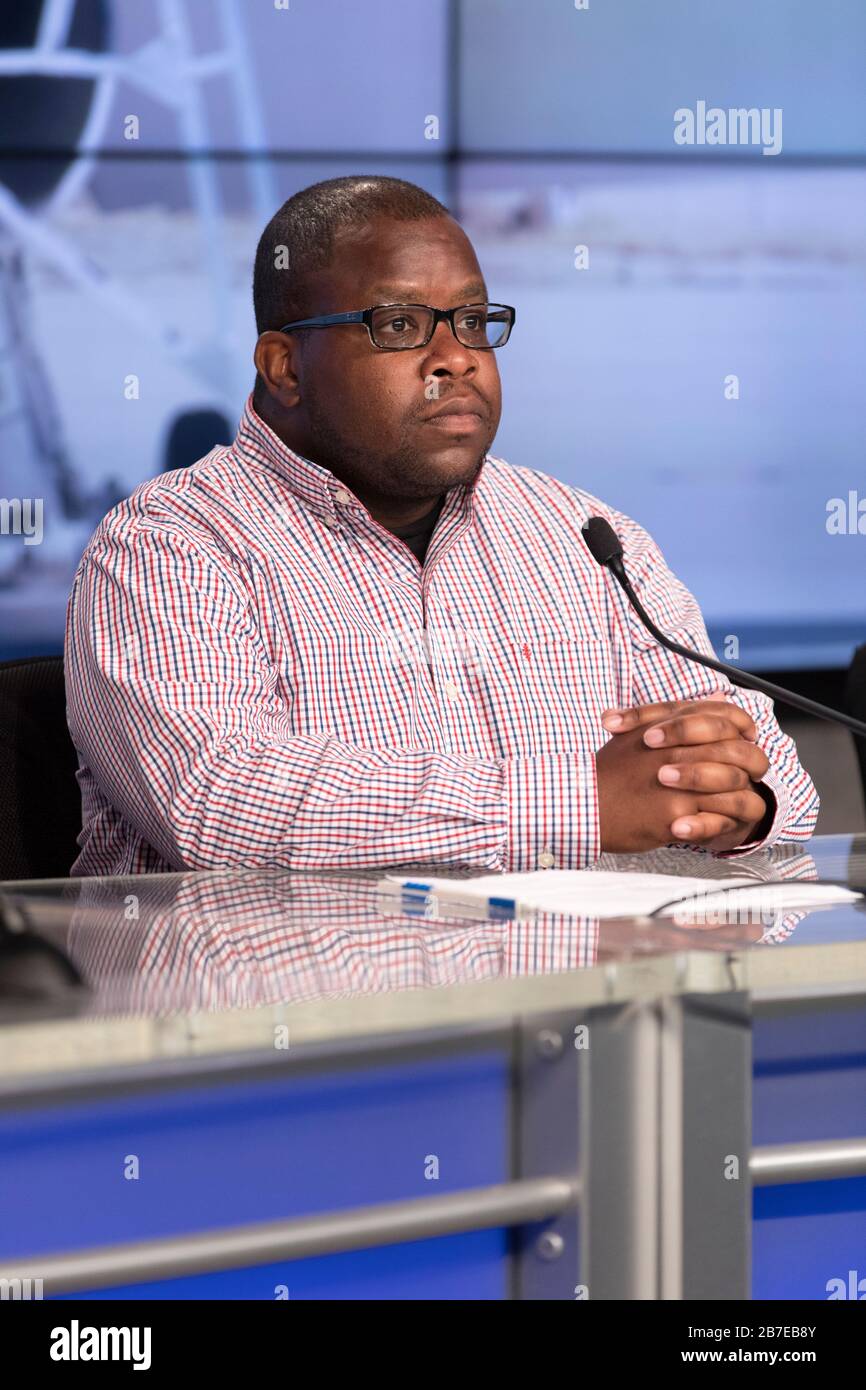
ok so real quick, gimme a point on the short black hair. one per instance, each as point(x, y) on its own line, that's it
point(300, 237)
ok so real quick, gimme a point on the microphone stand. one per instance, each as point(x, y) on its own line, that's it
point(607, 550)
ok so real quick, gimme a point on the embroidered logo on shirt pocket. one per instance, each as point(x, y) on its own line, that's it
point(546, 694)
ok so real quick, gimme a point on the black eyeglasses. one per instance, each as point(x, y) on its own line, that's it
point(398, 327)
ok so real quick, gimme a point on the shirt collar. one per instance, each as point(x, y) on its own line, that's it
point(312, 484)
point(317, 488)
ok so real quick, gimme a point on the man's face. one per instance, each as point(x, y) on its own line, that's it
point(365, 413)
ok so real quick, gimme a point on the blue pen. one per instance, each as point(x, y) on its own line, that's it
point(419, 899)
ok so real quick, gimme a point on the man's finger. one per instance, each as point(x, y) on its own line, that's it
point(704, 777)
point(702, 826)
point(622, 720)
point(684, 729)
point(746, 805)
point(736, 751)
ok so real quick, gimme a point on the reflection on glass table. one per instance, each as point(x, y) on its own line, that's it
point(235, 939)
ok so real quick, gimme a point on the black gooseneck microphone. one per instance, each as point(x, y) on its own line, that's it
point(605, 547)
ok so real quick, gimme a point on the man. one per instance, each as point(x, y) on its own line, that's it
point(356, 638)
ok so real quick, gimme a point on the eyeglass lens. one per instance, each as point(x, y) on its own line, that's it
point(408, 325)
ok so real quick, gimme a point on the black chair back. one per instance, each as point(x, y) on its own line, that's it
point(855, 703)
point(40, 801)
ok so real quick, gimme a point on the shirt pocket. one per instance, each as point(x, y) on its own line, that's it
point(546, 694)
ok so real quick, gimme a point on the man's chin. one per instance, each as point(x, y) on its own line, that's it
point(455, 465)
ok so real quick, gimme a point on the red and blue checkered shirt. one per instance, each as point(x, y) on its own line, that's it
point(259, 673)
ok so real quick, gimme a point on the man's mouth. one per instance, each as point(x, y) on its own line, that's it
point(459, 415)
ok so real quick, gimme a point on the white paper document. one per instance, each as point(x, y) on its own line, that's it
point(600, 893)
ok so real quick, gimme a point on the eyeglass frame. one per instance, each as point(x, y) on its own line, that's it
point(365, 316)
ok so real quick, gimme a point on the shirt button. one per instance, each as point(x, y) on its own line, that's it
point(546, 859)
point(341, 495)
point(451, 690)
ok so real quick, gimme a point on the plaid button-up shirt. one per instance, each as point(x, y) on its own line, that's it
point(259, 673)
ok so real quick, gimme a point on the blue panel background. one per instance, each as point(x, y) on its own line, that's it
point(806, 1234)
point(248, 1152)
point(809, 1083)
point(261, 1150)
point(809, 1076)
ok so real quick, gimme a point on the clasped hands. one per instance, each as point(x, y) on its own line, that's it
point(680, 770)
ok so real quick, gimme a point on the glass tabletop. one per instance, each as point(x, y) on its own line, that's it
point(238, 939)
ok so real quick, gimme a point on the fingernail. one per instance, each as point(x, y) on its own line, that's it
point(654, 737)
point(611, 721)
point(669, 774)
point(682, 827)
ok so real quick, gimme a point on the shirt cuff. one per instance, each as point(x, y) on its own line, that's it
point(782, 798)
point(552, 810)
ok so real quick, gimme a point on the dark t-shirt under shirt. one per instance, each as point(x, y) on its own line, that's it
point(417, 534)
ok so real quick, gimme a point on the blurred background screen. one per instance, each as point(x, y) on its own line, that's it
point(143, 146)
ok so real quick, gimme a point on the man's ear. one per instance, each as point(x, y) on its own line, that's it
point(275, 363)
